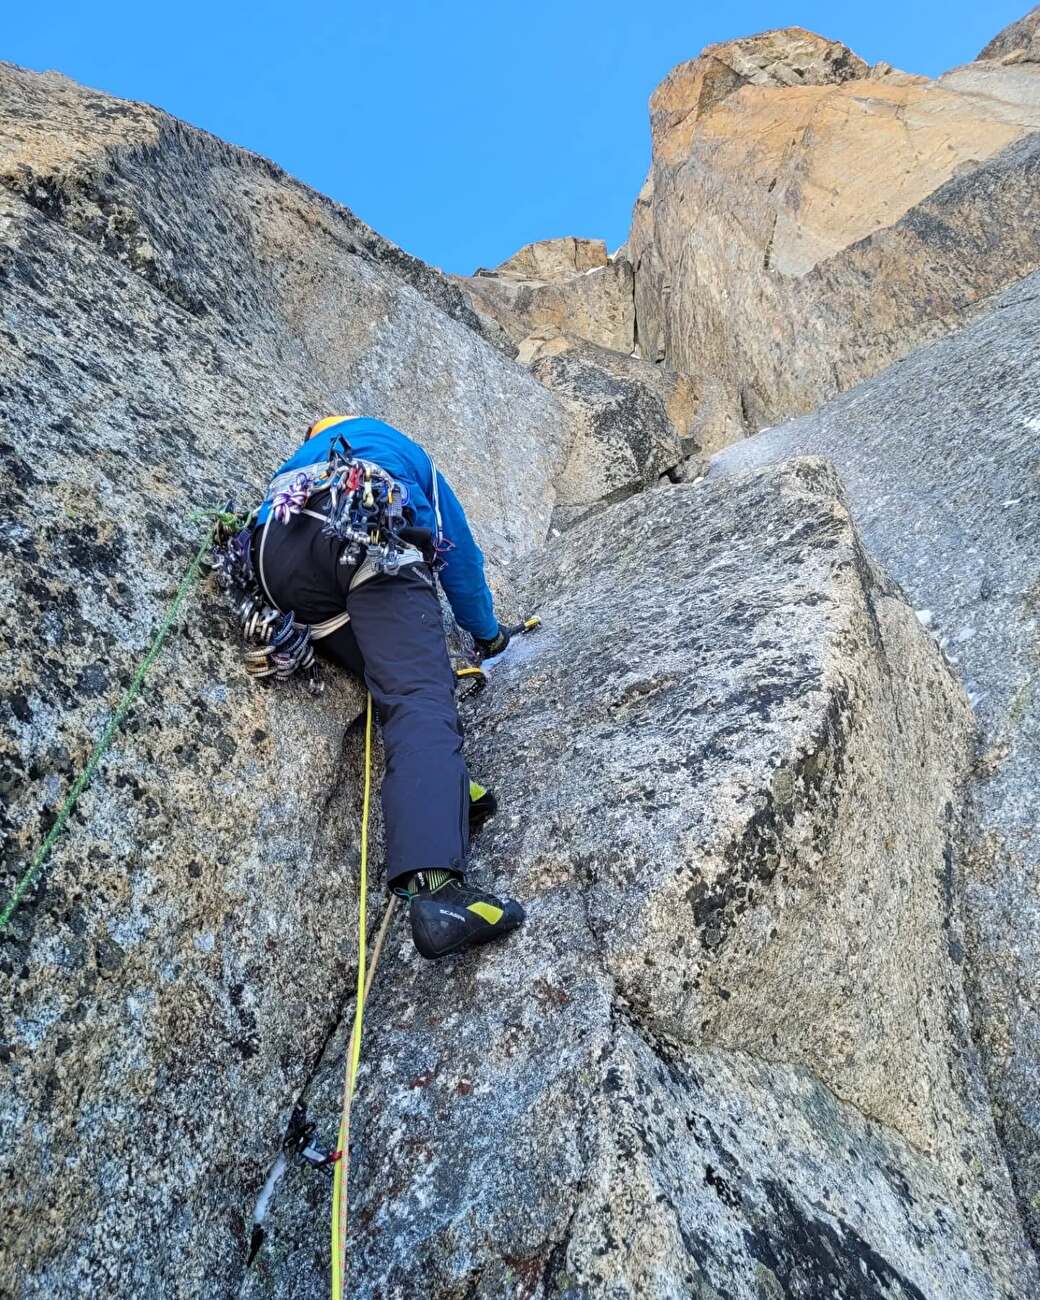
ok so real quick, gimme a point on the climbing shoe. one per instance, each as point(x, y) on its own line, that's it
point(482, 806)
point(450, 916)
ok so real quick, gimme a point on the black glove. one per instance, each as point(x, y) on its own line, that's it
point(488, 649)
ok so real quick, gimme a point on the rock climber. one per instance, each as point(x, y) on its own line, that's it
point(380, 601)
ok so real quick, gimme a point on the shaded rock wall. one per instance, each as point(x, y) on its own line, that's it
point(941, 458)
point(623, 441)
point(677, 392)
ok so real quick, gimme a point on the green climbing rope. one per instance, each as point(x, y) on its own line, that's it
point(34, 868)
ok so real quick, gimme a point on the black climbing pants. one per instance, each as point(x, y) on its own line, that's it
point(395, 642)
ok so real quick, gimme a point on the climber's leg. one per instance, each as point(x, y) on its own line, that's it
point(396, 620)
point(341, 648)
point(426, 791)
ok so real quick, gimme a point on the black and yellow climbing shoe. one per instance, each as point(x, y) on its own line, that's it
point(482, 806)
point(454, 915)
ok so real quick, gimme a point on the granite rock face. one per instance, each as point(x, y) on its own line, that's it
point(789, 57)
point(1019, 42)
point(941, 459)
point(729, 1054)
point(808, 220)
point(173, 313)
point(559, 286)
point(553, 259)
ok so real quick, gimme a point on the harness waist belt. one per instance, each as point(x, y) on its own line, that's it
point(365, 571)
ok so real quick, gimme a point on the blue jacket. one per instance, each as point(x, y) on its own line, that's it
point(462, 576)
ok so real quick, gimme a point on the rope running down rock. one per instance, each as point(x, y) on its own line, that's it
point(115, 721)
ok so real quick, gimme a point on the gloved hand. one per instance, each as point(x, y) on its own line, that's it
point(489, 649)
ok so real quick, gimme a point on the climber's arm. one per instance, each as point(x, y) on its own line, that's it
point(462, 576)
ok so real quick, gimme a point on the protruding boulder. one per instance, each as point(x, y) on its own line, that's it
point(552, 259)
point(679, 393)
point(634, 424)
point(623, 439)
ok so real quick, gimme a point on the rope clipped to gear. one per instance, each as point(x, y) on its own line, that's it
point(131, 693)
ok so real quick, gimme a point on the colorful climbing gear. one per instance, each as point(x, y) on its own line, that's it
point(358, 503)
point(291, 500)
point(277, 645)
point(366, 509)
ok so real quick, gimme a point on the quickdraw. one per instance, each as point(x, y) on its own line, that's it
point(299, 1142)
point(281, 645)
point(277, 646)
point(366, 510)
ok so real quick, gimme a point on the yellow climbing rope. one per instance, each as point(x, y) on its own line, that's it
point(353, 1055)
point(341, 1167)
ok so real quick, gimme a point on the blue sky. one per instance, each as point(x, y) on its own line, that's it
point(461, 130)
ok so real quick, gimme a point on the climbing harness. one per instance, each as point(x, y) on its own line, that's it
point(356, 502)
point(221, 519)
